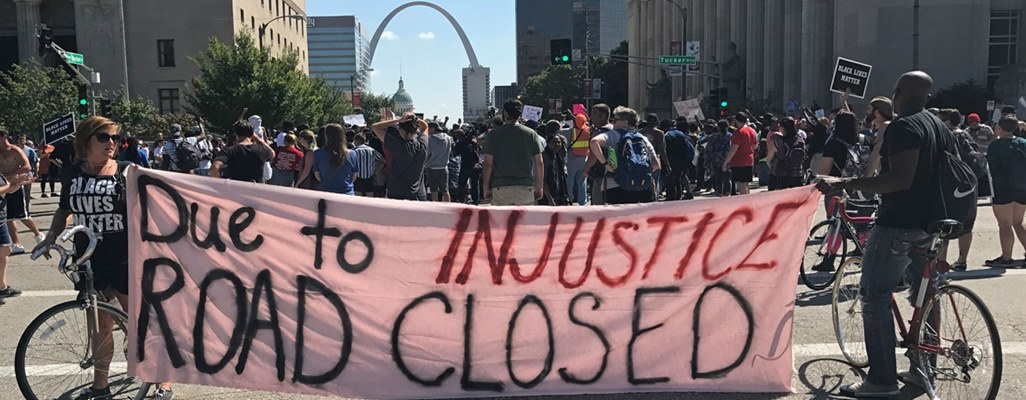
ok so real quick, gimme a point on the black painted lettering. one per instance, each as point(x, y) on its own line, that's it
point(319, 232)
point(637, 331)
point(236, 226)
point(213, 235)
point(547, 366)
point(465, 381)
point(367, 259)
point(152, 299)
point(235, 340)
point(263, 287)
point(303, 282)
point(397, 355)
point(746, 308)
point(145, 182)
point(569, 377)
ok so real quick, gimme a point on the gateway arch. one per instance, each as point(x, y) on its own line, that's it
point(477, 80)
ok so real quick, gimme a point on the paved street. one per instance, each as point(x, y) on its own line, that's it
point(818, 371)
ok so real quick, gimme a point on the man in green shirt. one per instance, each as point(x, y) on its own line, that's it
point(510, 150)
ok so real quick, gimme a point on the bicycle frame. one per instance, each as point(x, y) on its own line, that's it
point(844, 224)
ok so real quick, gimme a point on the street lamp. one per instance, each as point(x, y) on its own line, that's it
point(263, 27)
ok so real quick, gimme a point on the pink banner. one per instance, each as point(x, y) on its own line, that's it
point(258, 287)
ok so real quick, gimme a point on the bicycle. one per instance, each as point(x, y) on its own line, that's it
point(827, 244)
point(944, 358)
point(57, 354)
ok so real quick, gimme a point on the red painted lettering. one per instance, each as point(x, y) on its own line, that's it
point(743, 213)
point(667, 223)
point(696, 239)
point(627, 249)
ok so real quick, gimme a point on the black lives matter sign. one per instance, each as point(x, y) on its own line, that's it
point(851, 75)
point(59, 128)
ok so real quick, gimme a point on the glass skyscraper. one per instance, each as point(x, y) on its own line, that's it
point(338, 50)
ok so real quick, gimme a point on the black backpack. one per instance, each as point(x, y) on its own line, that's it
point(957, 189)
point(790, 158)
point(187, 156)
point(970, 153)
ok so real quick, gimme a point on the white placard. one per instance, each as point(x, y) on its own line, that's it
point(356, 119)
point(532, 113)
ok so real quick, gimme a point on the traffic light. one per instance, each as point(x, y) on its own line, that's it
point(83, 102)
point(45, 39)
point(105, 107)
point(714, 98)
point(723, 96)
point(561, 51)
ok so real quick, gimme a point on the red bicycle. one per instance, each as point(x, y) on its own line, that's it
point(827, 245)
point(954, 345)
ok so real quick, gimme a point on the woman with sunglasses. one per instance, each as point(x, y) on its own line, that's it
point(87, 196)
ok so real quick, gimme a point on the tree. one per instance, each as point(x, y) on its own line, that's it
point(968, 97)
point(613, 72)
point(32, 95)
point(134, 115)
point(555, 82)
point(244, 77)
point(372, 105)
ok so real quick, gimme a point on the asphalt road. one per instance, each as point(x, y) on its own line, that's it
point(818, 369)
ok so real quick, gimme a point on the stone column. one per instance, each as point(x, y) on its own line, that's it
point(793, 50)
point(28, 20)
point(708, 42)
point(817, 51)
point(99, 31)
point(756, 21)
point(773, 42)
point(635, 42)
point(723, 23)
point(739, 35)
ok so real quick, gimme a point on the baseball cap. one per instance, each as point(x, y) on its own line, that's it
point(973, 118)
point(176, 129)
point(433, 125)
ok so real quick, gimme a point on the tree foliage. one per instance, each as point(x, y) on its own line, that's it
point(968, 97)
point(613, 72)
point(373, 104)
point(134, 115)
point(567, 83)
point(32, 95)
point(243, 76)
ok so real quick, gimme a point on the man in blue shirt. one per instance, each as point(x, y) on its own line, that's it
point(680, 154)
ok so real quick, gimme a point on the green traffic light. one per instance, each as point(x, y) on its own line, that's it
point(83, 102)
point(83, 116)
point(723, 104)
point(566, 58)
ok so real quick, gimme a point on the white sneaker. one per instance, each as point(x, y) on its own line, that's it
point(40, 238)
point(17, 249)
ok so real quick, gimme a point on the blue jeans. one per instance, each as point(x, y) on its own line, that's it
point(577, 184)
point(889, 253)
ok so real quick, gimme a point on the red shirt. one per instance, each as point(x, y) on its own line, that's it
point(288, 159)
point(746, 141)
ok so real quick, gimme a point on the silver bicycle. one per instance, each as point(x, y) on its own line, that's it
point(63, 349)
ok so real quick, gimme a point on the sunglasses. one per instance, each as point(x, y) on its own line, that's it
point(106, 137)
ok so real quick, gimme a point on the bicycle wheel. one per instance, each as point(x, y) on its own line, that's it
point(967, 364)
point(847, 313)
point(825, 249)
point(55, 361)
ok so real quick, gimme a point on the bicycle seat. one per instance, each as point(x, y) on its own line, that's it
point(944, 228)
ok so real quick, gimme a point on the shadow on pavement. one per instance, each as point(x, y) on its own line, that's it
point(976, 273)
point(824, 377)
point(814, 298)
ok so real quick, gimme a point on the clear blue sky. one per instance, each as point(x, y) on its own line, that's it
point(429, 49)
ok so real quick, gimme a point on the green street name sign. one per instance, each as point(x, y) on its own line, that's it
point(677, 60)
point(74, 58)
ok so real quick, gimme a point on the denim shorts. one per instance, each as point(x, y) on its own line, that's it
point(5, 235)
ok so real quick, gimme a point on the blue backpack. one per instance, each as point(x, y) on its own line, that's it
point(634, 166)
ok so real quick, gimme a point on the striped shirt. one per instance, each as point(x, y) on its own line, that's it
point(366, 158)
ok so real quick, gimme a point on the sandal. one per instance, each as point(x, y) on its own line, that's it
point(959, 266)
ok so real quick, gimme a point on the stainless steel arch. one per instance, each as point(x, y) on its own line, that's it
point(456, 25)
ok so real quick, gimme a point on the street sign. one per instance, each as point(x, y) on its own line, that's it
point(588, 83)
point(990, 105)
point(596, 89)
point(694, 49)
point(59, 128)
point(851, 75)
point(74, 58)
point(577, 55)
point(677, 60)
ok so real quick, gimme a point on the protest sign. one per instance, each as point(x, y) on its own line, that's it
point(689, 109)
point(354, 120)
point(579, 109)
point(853, 75)
point(532, 113)
point(59, 128)
point(259, 287)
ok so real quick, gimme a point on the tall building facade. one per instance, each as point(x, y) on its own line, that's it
point(144, 46)
point(477, 82)
point(594, 26)
point(340, 52)
point(502, 94)
point(786, 49)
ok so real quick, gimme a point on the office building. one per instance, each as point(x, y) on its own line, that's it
point(787, 49)
point(476, 84)
point(144, 46)
point(502, 94)
point(595, 27)
point(339, 52)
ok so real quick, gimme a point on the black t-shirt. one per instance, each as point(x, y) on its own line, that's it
point(246, 161)
point(818, 138)
point(99, 203)
point(406, 164)
point(914, 208)
point(63, 151)
point(837, 150)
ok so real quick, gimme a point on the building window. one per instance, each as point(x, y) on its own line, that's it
point(1004, 42)
point(169, 102)
point(166, 53)
point(252, 22)
point(242, 16)
point(261, 3)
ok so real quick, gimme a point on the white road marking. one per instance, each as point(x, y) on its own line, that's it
point(50, 293)
point(60, 370)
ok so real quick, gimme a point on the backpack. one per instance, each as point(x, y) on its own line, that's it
point(204, 149)
point(187, 157)
point(957, 187)
point(1017, 179)
point(633, 163)
point(790, 158)
point(855, 166)
point(969, 152)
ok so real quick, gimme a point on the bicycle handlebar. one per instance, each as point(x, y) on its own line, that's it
point(66, 253)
